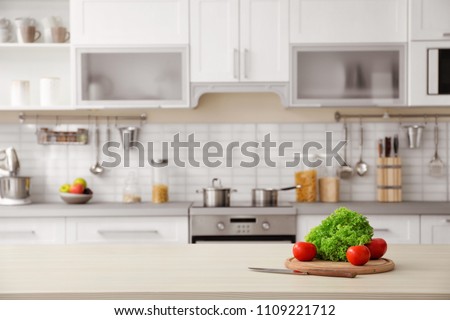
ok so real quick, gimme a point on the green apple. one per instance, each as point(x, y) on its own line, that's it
point(64, 188)
point(80, 181)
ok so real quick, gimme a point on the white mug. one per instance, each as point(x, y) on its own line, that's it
point(52, 22)
point(20, 93)
point(24, 22)
point(5, 35)
point(4, 23)
point(50, 91)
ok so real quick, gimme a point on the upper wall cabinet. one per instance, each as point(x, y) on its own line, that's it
point(348, 21)
point(430, 20)
point(239, 40)
point(141, 22)
point(131, 77)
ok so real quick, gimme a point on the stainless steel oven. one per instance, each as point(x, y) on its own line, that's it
point(242, 223)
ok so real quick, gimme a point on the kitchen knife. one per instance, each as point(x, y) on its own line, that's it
point(387, 147)
point(380, 148)
point(396, 145)
point(325, 273)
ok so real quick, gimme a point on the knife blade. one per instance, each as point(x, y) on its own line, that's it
point(324, 273)
point(396, 145)
point(380, 148)
point(387, 147)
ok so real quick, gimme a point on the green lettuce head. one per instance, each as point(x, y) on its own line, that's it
point(339, 231)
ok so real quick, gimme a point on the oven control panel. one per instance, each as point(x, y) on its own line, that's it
point(245, 225)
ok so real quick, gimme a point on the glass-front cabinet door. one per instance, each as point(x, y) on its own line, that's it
point(348, 75)
point(131, 77)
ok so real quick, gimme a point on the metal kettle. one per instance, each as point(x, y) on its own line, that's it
point(9, 162)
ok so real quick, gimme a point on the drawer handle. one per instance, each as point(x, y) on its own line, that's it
point(127, 231)
point(446, 34)
point(381, 229)
point(447, 220)
point(17, 232)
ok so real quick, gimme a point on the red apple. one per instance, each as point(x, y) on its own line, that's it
point(76, 188)
point(377, 248)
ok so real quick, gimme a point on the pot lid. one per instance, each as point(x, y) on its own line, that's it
point(216, 184)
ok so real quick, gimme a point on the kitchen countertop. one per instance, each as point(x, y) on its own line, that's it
point(111, 209)
point(373, 207)
point(93, 209)
point(208, 271)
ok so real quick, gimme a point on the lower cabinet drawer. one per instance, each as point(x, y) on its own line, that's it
point(396, 228)
point(435, 229)
point(392, 228)
point(127, 230)
point(32, 230)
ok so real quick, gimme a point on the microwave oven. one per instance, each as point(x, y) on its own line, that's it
point(429, 68)
point(438, 71)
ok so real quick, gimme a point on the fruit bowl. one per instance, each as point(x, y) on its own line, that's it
point(75, 198)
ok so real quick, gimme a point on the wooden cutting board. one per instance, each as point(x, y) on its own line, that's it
point(373, 266)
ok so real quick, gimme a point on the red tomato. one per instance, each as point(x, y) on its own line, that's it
point(377, 247)
point(358, 255)
point(304, 251)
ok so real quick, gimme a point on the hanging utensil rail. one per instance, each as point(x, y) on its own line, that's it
point(74, 118)
point(339, 116)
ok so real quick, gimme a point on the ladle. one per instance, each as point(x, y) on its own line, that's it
point(345, 171)
point(97, 168)
point(361, 167)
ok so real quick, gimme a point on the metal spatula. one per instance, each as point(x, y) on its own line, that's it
point(436, 165)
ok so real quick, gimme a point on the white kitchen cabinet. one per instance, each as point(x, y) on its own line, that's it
point(33, 61)
point(392, 228)
point(430, 20)
point(130, 22)
point(396, 228)
point(239, 40)
point(32, 231)
point(348, 21)
point(435, 229)
point(137, 77)
point(167, 230)
point(348, 75)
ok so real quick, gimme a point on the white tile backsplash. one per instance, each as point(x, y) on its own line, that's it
point(51, 166)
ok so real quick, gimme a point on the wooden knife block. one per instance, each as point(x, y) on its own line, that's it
point(389, 179)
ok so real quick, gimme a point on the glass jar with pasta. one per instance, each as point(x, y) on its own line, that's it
point(308, 180)
point(160, 185)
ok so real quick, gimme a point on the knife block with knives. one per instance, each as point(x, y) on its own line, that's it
point(389, 172)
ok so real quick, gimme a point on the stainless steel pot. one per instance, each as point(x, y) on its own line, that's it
point(268, 197)
point(16, 188)
point(216, 195)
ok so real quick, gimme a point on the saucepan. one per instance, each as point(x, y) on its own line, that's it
point(216, 195)
point(268, 197)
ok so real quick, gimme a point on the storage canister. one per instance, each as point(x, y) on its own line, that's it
point(160, 183)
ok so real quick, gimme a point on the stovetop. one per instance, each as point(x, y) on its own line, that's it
point(242, 204)
point(243, 208)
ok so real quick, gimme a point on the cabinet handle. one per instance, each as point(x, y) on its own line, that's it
point(446, 34)
point(381, 229)
point(127, 231)
point(17, 232)
point(245, 63)
point(235, 63)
